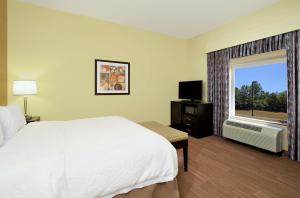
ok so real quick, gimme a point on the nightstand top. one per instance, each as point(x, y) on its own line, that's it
point(33, 119)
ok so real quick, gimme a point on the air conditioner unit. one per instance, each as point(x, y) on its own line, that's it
point(261, 136)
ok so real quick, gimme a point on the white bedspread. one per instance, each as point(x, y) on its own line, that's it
point(97, 157)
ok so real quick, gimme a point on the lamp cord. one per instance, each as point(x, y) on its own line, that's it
point(25, 106)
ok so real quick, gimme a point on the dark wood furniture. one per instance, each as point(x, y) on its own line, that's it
point(177, 138)
point(195, 118)
point(33, 119)
point(184, 144)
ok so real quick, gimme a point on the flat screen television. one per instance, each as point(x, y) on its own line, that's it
point(190, 90)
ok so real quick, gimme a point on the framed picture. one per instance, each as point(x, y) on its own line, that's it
point(112, 77)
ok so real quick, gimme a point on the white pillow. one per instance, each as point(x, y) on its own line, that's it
point(12, 120)
point(1, 136)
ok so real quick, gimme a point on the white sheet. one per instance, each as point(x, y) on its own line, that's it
point(98, 157)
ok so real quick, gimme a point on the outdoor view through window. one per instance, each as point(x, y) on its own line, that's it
point(261, 92)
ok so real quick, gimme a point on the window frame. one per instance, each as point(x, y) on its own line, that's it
point(267, 58)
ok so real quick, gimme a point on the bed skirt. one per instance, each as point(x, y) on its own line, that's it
point(161, 190)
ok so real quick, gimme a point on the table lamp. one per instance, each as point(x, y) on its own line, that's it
point(24, 88)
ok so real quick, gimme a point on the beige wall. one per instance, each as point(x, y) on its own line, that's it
point(276, 19)
point(3, 52)
point(58, 50)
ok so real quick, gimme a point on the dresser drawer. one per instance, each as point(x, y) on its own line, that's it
point(188, 119)
point(188, 127)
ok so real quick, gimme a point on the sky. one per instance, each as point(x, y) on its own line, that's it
point(272, 77)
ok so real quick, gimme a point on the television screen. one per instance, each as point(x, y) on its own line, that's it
point(190, 90)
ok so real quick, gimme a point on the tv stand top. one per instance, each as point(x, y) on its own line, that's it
point(191, 101)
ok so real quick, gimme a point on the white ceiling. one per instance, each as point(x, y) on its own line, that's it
point(180, 18)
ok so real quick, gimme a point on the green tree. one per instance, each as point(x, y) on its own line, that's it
point(257, 92)
point(276, 102)
point(282, 101)
point(237, 98)
point(245, 97)
point(272, 102)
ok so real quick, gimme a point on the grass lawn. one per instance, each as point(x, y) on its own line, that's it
point(265, 115)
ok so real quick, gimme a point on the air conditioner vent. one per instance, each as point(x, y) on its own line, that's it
point(244, 126)
point(259, 135)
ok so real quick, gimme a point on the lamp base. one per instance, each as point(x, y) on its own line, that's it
point(27, 117)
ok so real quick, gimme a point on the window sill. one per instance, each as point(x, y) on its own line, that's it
point(257, 120)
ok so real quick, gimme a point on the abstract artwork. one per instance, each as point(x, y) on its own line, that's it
point(111, 77)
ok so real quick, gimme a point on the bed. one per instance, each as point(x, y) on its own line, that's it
point(97, 157)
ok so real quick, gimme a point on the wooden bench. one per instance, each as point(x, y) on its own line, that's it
point(177, 138)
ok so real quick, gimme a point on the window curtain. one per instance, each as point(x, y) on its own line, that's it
point(218, 79)
point(218, 87)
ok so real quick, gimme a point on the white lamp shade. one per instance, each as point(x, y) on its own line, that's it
point(24, 87)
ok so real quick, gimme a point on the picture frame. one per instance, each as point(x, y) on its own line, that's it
point(112, 77)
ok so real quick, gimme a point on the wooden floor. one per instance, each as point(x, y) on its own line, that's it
point(223, 168)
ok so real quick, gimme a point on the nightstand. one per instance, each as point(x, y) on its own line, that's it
point(33, 119)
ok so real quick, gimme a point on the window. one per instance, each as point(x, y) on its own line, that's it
point(259, 87)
